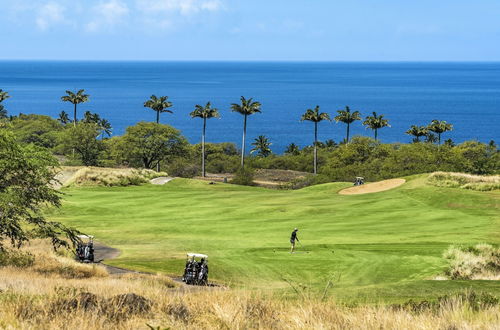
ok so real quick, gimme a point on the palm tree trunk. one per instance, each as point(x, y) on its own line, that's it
point(439, 138)
point(157, 117)
point(347, 133)
point(203, 174)
point(74, 115)
point(243, 143)
point(315, 147)
point(375, 134)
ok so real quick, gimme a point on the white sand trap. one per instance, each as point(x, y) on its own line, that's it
point(373, 187)
point(161, 180)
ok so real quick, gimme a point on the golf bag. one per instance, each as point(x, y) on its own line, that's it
point(196, 273)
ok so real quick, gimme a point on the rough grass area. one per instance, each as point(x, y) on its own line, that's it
point(29, 300)
point(479, 262)
point(465, 181)
point(102, 176)
point(384, 246)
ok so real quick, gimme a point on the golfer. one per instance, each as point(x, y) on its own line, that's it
point(294, 238)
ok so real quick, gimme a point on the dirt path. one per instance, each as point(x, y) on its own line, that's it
point(161, 180)
point(373, 187)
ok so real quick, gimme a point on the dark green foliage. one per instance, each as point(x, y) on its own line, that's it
point(147, 144)
point(180, 168)
point(262, 146)
point(244, 176)
point(40, 130)
point(25, 177)
point(82, 139)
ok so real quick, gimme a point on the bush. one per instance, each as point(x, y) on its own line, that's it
point(244, 177)
point(16, 258)
point(183, 168)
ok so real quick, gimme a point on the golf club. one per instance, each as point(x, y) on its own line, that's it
point(302, 246)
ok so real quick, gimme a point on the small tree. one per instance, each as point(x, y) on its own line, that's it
point(75, 99)
point(245, 108)
point(439, 127)
point(292, 149)
point(204, 112)
point(26, 175)
point(376, 122)
point(159, 105)
point(417, 132)
point(262, 146)
point(347, 117)
point(315, 116)
point(148, 144)
point(3, 97)
point(83, 139)
point(63, 118)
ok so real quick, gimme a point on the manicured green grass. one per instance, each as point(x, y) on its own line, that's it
point(383, 246)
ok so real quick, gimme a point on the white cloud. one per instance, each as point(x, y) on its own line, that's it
point(51, 13)
point(184, 7)
point(107, 14)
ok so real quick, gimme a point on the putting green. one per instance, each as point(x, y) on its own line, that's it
point(381, 246)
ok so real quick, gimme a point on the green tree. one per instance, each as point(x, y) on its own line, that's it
point(63, 118)
point(292, 149)
point(148, 144)
point(347, 117)
point(262, 146)
point(105, 128)
point(3, 97)
point(26, 175)
point(315, 116)
point(158, 104)
point(75, 99)
point(439, 127)
point(245, 108)
point(417, 132)
point(82, 138)
point(376, 122)
point(204, 112)
point(40, 130)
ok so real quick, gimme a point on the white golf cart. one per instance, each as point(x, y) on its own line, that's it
point(196, 270)
point(85, 248)
point(359, 181)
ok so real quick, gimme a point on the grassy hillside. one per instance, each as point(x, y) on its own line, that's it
point(383, 246)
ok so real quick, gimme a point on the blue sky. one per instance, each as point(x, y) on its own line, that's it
point(293, 30)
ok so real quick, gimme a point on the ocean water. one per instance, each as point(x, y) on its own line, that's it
point(466, 95)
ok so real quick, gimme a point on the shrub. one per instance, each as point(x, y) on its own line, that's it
point(183, 168)
point(16, 258)
point(244, 177)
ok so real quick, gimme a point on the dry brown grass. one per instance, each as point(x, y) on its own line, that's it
point(479, 262)
point(84, 176)
point(33, 300)
point(465, 181)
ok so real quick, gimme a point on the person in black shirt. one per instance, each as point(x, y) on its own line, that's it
point(293, 238)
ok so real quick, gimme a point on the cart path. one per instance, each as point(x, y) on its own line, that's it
point(103, 252)
point(373, 187)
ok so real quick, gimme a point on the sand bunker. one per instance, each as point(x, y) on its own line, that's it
point(373, 187)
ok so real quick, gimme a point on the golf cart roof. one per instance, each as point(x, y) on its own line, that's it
point(360, 177)
point(197, 255)
point(85, 236)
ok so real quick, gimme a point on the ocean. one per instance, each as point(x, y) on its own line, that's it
point(466, 95)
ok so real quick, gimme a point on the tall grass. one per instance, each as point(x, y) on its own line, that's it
point(465, 181)
point(479, 262)
point(84, 176)
point(33, 300)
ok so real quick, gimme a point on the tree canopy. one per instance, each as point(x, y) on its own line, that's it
point(26, 174)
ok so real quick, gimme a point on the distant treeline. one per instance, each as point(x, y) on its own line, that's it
point(88, 141)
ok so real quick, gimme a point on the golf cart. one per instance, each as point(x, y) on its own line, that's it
point(359, 181)
point(85, 249)
point(196, 270)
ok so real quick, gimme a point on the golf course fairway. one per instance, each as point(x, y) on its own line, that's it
point(384, 246)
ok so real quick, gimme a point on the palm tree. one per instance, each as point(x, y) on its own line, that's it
point(439, 127)
point(89, 117)
point(315, 116)
point(262, 145)
point(204, 112)
point(77, 98)
point(347, 117)
point(64, 118)
point(376, 122)
point(105, 127)
point(3, 96)
point(159, 105)
point(246, 108)
point(417, 132)
point(292, 149)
